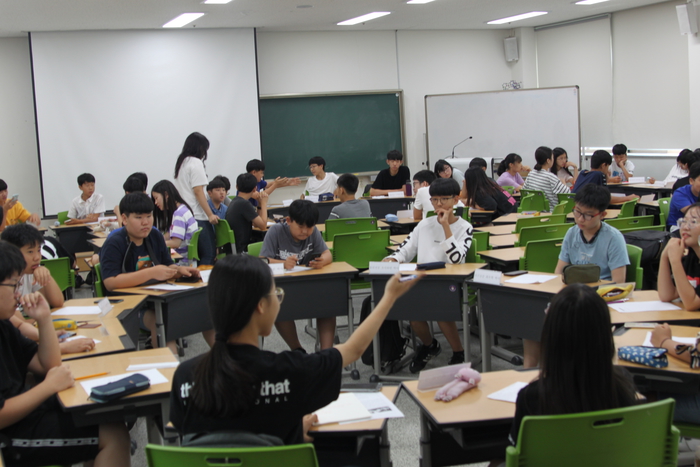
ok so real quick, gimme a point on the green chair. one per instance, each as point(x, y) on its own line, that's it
point(536, 221)
point(623, 223)
point(464, 213)
point(483, 238)
point(509, 189)
point(541, 256)
point(192, 253)
point(543, 232)
point(635, 273)
point(627, 209)
point(98, 287)
point(473, 255)
point(560, 208)
point(526, 203)
point(224, 238)
point(348, 225)
point(567, 198)
point(641, 435)
point(297, 455)
point(540, 203)
point(664, 207)
point(658, 228)
point(62, 273)
point(358, 249)
point(62, 217)
point(254, 248)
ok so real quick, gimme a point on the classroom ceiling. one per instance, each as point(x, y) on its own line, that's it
point(20, 16)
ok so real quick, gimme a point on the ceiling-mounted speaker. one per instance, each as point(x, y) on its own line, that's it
point(511, 48)
point(687, 18)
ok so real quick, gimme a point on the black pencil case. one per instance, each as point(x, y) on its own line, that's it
point(428, 266)
point(123, 387)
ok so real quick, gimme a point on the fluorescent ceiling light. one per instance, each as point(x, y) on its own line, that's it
point(364, 18)
point(590, 2)
point(510, 19)
point(217, 2)
point(418, 2)
point(182, 20)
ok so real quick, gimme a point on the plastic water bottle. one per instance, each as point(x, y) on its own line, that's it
point(409, 188)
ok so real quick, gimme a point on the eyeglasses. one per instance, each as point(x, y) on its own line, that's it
point(441, 200)
point(586, 217)
point(692, 222)
point(15, 286)
point(279, 291)
point(313, 166)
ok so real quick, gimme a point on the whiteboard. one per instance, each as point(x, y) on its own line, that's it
point(502, 122)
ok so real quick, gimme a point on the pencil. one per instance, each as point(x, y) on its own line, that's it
point(92, 376)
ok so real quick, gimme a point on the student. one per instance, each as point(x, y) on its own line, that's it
point(257, 168)
point(238, 386)
point(478, 162)
point(299, 242)
point(227, 187)
point(543, 179)
point(598, 175)
point(89, 206)
point(392, 179)
point(421, 190)
point(30, 417)
point(137, 182)
point(174, 219)
point(137, 254)
point(680, 168)
point(509, 171)
point(217, 194)
point(443, 237)
point(621, 169)
point(443, 169)
point(350, 207)
point(576, 370)
point(684, 197)
point(190, 181)
point(242, 216)
point(322, 181)
point(14, 211)
point(562, 168)
point(482, 192)
point(690, 158)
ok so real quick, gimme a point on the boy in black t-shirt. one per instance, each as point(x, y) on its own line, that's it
point(392, 179)
point(242, 216)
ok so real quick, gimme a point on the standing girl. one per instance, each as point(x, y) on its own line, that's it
point(543, 180)
point(174, 219)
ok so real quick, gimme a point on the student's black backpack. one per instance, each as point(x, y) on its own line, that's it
point(652, 243)
point(392, 343)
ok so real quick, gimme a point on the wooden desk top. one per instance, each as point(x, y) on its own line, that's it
point(637, 336)
point(98, 242)
point(142, 290)
point(504, 254)
point(369, 425)
point(503, 229)
point(465, 269)
point(651, 316)
point(382, 225)
point(473, 405)
point(654, 203)
point(503, 241)
point(68, 227)
point(116, 364)
point(398, 239)
point(552, 286)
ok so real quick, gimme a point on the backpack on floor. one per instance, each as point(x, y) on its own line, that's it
point(392, 343)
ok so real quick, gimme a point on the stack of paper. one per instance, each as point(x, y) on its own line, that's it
point(345, 409)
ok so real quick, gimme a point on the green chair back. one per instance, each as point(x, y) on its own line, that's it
point(622, 223)
point(254, 248)
point(99, 285)
point(297, 455)
point(359, 248)
point(641, 435)
point(456, 211)
point(62, 217)
point(348, 225)
point(224, 237)
point(483, 238)
point(526, 203)
point(664, 207)
point(567, 198)
point(472, 254)
point(536, 221)
point(540, 203)
point(541, 256)
point(62, 273)
point(192, 253)
point(658, 228)
point(635, 273)
point(543, 232)
point(627, 209)
point(560, 208)
point(509, 189)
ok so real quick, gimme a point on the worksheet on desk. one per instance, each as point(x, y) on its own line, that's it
point(640, 307)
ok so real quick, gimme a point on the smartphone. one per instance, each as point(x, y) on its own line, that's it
point(514, 273)
point(66, 335)
point(15, 197)
point(315, 257)
point(408, 278)
point(361, 387)
point(187, 279)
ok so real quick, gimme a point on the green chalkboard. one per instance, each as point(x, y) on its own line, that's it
point(352, 132)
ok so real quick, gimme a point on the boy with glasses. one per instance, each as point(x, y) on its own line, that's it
point(443, 237)
point(322, 181)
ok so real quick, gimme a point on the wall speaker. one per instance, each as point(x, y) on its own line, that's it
point(511, 47)
point(687, 18)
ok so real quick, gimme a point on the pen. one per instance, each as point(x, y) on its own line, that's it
point(92, 376)
point(620, 301)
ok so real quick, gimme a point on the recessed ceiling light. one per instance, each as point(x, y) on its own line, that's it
point(363, 18)
point(217, 2)
point(510, 19)
point(182, 20)
point(418, 2)
point(590, 2)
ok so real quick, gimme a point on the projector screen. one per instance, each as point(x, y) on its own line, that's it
point(116, 102)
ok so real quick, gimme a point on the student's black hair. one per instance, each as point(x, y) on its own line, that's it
point(227, 182)
point(85, 178)
point(542, 155)
point(11, 261)
point(143, 177)
point(171, 197)
point(600, 157)
point(254, 164)
point(478, 185)
point(593, 197)
point(576, 370)
point(196, 145)
point(424, 176)
point(558, 152)
point(444, 187)
point(693, 207)
point(223, 388)
point(134, 185)
point(318, 160)
point(136, 203)
point(682, 156)
point(22, 235)
point(394, 155)
point(694, 170)
point(303, 212)
point(349, 183)
point(216, 183)
point(478, 162)
point(511, 158)
point(3, 185)
point(440, 167)
point(246, 183)
point(619, 149)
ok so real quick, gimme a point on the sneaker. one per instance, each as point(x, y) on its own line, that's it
point(457, 357)
point(423, 354)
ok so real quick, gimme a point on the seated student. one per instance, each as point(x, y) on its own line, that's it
point(598, 175)
point(350, 207)
point(509, 171)
point(680, 168)
point(483, 193)
point(562, 168)
point(691, 158)
point(684, 197)
point(242, 216)
point(227, 187)
point(421, 190)
point(299, 242)
point(322, 181)
point(87, 207)
point(174, 219)
point(444, 169)
point(576, 371)
point(14, 211)
point(238, 386)
point(217, 193)
point(137, 254)
point(393, 178)
point(257, 168)
point(443, 237)
point(135, 183)
point(478, 162)
point(39, 432)
point(622, 169)
point(543, 179)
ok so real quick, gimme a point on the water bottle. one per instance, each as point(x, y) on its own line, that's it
point(409, 188)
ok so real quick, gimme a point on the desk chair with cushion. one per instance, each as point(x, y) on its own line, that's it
point(540, 203)
point(664, 208)
point(192, 254)
point(224, 238)
point(298, 455)
point(62, 273)
point(635, 223)
point(641, 435)
point(543, 232)
point(536, 221)
point(627, 209)
point(62, 217)
point(635, 273)
point(541, 256)
point(348, 225)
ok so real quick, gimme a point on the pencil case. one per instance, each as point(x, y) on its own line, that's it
point(650, 356)
point(428, 266)
point(118, 389)
point(62, 323)
point(581, 273)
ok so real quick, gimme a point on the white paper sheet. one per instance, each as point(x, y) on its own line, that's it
point(682, 340)
point(637, 180)
point(77, 310)
point(155, 376)
point(79, 337)
point(168, 287)
point(296, 269)
point(205, 275)
point(378, 405)
point(639, 307)
point(344, 409)
point(148, 366)
point(508, 394)
point(408, 267)
point(530, 279)
point(396, 194)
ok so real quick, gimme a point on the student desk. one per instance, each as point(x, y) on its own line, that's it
point(469, 429)
point(97, 243)
point(506, 258)
point(513, 217)
point(361, 443)
point(503, 241)
point(640, 189)
point(439, 296)
point(380, 207)
point(74, 238)
point(152, 403)
point(676, 316)
point(503, 229)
